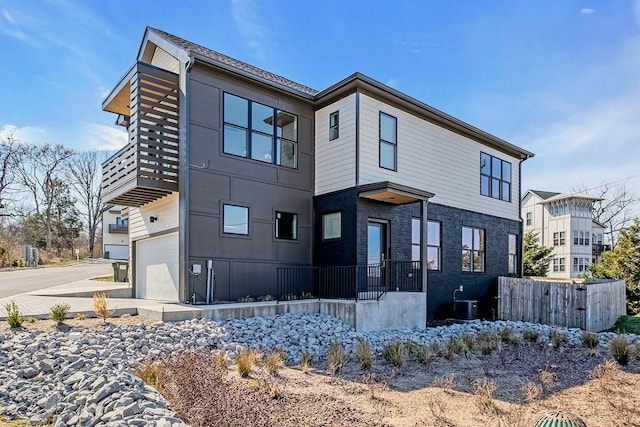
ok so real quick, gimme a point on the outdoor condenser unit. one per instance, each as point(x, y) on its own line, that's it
point(466, 309)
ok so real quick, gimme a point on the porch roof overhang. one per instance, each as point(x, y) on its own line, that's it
point(119, 99)
point(391, 192)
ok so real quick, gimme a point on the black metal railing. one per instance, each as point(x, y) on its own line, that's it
point(367, 282)
point(599, 248)
point(118, 229)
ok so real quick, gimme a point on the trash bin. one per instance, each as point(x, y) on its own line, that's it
point(106, 255)
point(120, 271)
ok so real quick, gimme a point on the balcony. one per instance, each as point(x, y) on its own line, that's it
point(146, 169)
point(118, 229)
point(599, 248)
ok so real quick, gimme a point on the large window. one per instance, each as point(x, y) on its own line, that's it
point(388, 142)
point(235, 219)
point(581, 237)
point(495, 177)
point(334, 125)
point(580, 264)
point(286, 226)
point(558, 265)
point(472, 249)
point(260, 132)
point(513, 254)
point(332, 226)
point(559, 238)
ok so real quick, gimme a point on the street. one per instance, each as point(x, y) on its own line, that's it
point(24, 280)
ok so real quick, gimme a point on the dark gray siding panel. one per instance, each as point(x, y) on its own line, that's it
point(247, 264)
point(341, 251)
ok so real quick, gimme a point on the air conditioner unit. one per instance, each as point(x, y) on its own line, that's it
point(466, 309)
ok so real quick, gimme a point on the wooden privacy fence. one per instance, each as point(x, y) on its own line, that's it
point(591, 305)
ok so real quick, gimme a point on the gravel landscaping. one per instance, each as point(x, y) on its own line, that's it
point(86, 376)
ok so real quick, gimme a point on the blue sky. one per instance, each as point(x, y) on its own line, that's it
point(559, 78)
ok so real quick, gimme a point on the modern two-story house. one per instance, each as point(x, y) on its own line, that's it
point(115, 233)
point(238, 179)
point(565, 222)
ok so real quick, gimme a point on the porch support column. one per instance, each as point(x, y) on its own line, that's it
point(423, 243)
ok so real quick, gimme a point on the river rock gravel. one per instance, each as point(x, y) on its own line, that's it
point(86, 377)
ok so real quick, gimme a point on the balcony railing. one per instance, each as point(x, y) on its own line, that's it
point(599, 248)
point(146, 169)
point(118, 229)
point(367, 282)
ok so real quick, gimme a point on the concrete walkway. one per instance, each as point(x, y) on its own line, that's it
point(79, 295)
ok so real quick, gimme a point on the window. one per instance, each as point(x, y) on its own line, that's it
point(576, 237)
point(513, 254)
point(433, 245)
point(528, 218)
point(472, 249)
point(122, 222)
point(332, 225)
point(286, 226)
point(260, 132)
point(558, 265)
point(559, 238)
point(495, 178)
point(580, 264)
point(388, 142)
point(334, 126)
point(415, 239)
point(235, 219)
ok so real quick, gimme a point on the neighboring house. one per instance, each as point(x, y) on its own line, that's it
point(236, 168)
point(565, 222)
point(115, 233)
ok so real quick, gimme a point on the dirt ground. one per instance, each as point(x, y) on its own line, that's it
point(512, 386)
point(32, 324)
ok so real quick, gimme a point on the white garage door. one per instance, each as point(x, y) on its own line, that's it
point(117, 251)
point(157, 268)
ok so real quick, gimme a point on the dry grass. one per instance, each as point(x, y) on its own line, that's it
point(101, 306)
point(364, 355)
point(246, 361)
point(336, 358)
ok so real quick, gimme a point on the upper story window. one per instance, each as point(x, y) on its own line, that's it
point(528, 218)
point(513, 254)
point(472, 249)
point(286, 226)
point(559, 238)
point(581, 238)
point(260, 132)
point(235, 219)
point(388, 142)
point(334, 125)
point(332, 226)
point(495, 177)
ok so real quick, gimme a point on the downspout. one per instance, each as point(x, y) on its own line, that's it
point(183, 187)
point(521, 246)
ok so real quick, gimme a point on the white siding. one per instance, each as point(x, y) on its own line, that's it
point(165, 209)
point(157, 268)
point(335, 161)
point(433, 159)
point(162, 59)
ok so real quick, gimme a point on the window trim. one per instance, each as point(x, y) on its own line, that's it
point(339, 236)
point(294, 223)
point(513, 255)
point(439, 247)
point(335, 126)
point(392, 143)
point(275, 139)
point(226, 233)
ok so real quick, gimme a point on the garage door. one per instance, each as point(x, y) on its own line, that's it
point(117, 251)
point(157, 268)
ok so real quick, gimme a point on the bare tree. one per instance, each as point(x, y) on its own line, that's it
point(42, 175)
point(10, 155)
point(616, 210)
point(86, 179)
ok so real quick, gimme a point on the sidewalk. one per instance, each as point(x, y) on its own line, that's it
point(79, 295)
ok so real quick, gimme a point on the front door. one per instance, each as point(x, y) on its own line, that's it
point(377, 253)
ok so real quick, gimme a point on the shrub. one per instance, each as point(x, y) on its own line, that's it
point(445, 382)
point(487, 342)
point(531, 392)
point(364, 355)
point(424, 354)
point(59, 313)
point(336, 359)
point(620, 349)
point(265, 298)
point(589, 340)
point(274, 360)
point(245, 361)
point(247, 298)
point(508, 336)
point(469, 342)
point(81, 316)
point(483, 394)
point(531, 335)
point(14, 317)
point(306, 361)
point(100, 306)
point(149, 373)
point(394, 353)
point(558, 339)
